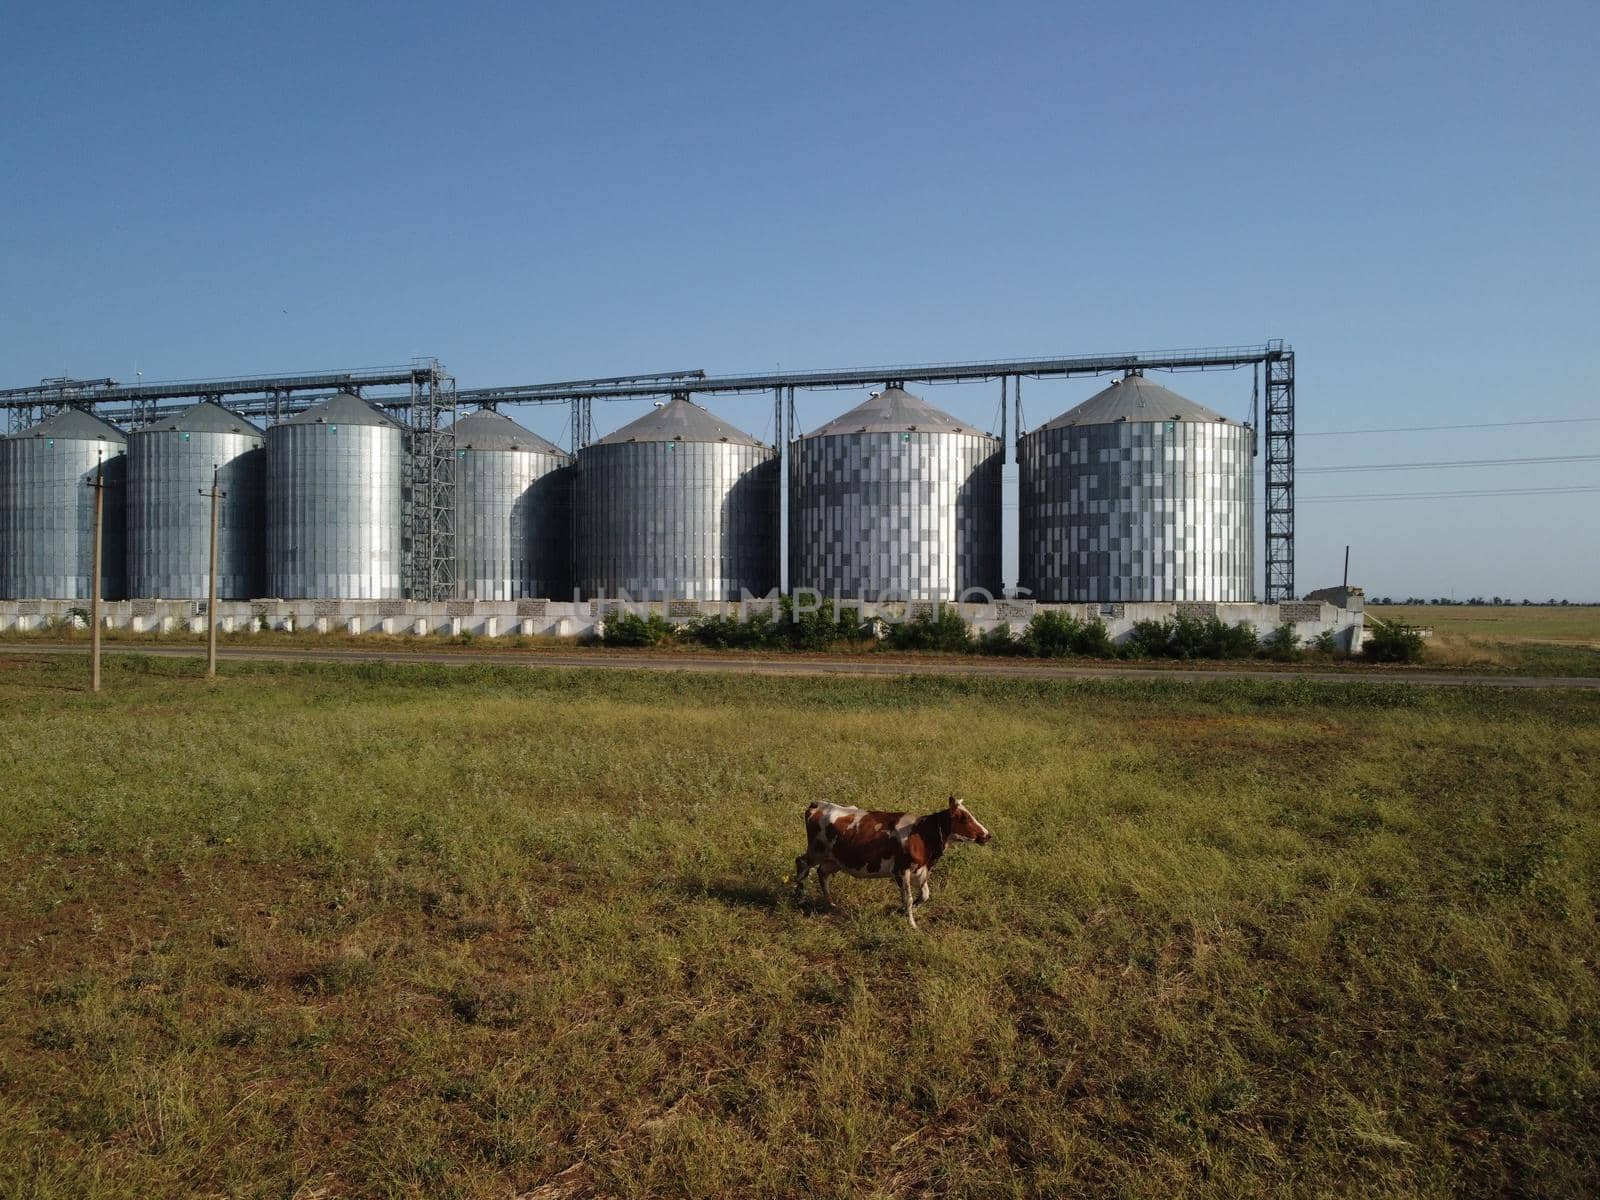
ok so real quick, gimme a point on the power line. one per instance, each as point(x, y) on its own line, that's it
point(1550, 491)
point(1436, 428)
point(1460, 462)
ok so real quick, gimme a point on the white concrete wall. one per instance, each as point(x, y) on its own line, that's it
point(565, 618)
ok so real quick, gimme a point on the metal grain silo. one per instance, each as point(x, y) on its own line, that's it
point(47, 509)
point(513, 520)
point(170, 464)
point(677, 505)
point(1137, 494)
point(335, 520)
point(895, 499)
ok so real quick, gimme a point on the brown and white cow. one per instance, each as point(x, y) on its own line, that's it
point(877, 845)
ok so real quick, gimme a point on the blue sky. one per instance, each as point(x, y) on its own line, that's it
point(1405, 192)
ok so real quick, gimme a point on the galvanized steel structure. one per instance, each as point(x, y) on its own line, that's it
point(335, 510)
point(513, 519)
point(1137, 494)
point(895, 499)
point(677, 505)
point(1273, 363)
point(430, 400)
point(47, 509)
point(170, 470)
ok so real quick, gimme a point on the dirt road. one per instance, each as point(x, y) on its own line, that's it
point(621, 660)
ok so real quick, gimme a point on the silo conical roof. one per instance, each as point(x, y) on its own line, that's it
point(894, 410)
point(343, 409)
point(681, 420)
point(74, 424)
point(205, 417)
point(489, 430)
point(1134, 399)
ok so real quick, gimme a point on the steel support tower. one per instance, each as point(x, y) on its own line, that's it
point(430, 498)
point(1279, 368)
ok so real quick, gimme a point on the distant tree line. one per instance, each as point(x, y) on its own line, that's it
point(1491, 602)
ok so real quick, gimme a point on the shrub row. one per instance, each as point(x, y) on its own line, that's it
point(1390, 641)
point(816, 630)
point(1047, 635)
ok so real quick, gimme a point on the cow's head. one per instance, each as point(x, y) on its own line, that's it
point(964, 827)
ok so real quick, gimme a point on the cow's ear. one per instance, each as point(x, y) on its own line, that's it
point(954, 804)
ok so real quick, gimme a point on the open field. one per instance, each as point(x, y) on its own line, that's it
point(893, 664)
point(1549, 640)
point(482, 932)
point(1577, 624)
point(1549, 645)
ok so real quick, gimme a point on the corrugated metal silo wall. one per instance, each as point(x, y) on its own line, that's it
point(1137, 511)
point(47, 518)
point(914, 515)
point(513, 524)
point(676, 520)
point(335, 520)
point(169, 520)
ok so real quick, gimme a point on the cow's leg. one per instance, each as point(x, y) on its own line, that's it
point(905, 895)
point(823, 871)
point(922, 878)
point(802, 864)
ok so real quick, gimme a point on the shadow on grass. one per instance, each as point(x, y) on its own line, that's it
point(738, 894)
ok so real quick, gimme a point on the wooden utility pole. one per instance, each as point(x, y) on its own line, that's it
point(99, 486)
point(216, 495)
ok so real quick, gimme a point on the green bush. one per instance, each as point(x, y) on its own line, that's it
point(1393, 642)
point(1149, 639)
point(1051, 634)
point(1191, 637)
point(730, 633)
point(1327, 642)
point(630, 629)
point(1000, 642)
point(821, 629)
point(1057, 634)
point(1282, 644)
point(816, 629)
point(1230, 641)
point(1094, 640)
point(942, 629)
point(1188, 638)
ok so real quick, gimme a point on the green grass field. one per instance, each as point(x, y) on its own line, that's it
point(1577, 624)
point(1549, 641)
point(1535, 640)
point(484, 932)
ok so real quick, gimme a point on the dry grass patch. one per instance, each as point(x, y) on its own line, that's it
point(1574, 623)
point(1550, 640)
point(477, 932)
